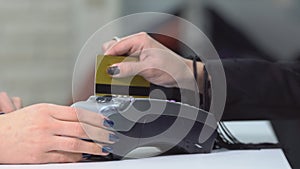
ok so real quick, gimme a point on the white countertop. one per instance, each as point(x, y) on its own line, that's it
point(248, 131)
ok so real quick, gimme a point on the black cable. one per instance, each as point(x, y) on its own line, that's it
point(223, 142)
point(227, 133)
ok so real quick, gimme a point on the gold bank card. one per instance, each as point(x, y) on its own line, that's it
point(105, 84)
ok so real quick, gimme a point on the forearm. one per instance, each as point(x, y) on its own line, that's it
point(261, 89)
point(257, 88)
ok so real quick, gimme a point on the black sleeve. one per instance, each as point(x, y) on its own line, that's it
point(258, 89)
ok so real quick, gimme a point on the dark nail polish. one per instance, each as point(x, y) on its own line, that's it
point(2, 113)
point(106, 111)
point(113, 138)
point(107, 149)
point(113, 70)
point(86, 156)
point(108, 123)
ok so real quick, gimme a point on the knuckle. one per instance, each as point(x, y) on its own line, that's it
point(42, 107)
point(143, 35)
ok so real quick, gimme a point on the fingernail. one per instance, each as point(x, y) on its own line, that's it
point(85, 156)
point(113, 138)
point(113, 70)
point(108, 123)
point(107, 149)
point(2, 113)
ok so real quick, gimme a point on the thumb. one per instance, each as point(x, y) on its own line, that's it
point(125, 69)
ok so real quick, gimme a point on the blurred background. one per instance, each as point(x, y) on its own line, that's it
point(41, 39)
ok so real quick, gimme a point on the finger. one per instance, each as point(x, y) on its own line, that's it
point(127, 45)
point(76, 114)
point(108, 45)
point(17, 101)
point(74, 145)
point(6, 104)
point(62, 157)
point(126, 69)
point(85, 131)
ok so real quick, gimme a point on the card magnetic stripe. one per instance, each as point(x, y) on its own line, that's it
point(122, 90)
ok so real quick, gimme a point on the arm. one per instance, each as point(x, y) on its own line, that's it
point(258, 89)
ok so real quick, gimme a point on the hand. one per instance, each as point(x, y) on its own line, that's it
point(157, 64)
point(9, 104)
point(46, 133)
